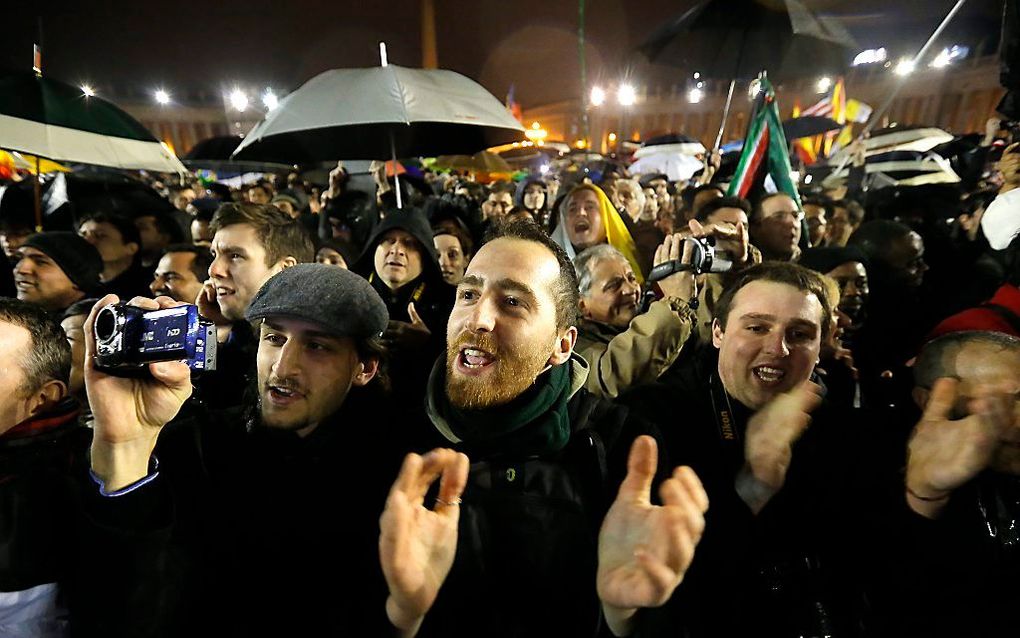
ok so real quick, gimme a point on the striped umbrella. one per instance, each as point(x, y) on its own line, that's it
point(48, 118)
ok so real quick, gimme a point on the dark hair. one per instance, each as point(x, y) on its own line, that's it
point(690, 194)
point(937, 357)
point(48, 356)
point(203, 258)
point(876, 238)
point(821, 201)
point(466, 245)
point(854, 210)
point(280, 234)
point(128, 231)
point(565, 291)
point(756, 210)
point(723, 202)
point(804, 280)
point(373, 348)
point(204, 215)
point(165, 225)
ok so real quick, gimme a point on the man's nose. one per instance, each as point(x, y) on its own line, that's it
point(775, 343)
point(217, 269)
point(156, 285)
point(483, 317)
point(288, 361)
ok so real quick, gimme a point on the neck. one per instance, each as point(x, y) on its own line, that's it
point(114, 269)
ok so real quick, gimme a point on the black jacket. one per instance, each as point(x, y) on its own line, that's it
point(798, 567)
point(270, 533)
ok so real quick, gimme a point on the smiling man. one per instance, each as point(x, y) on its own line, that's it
point(55, 269)
point(783, 546)
point(509, 393)
point(625, 348)
point(247, 499)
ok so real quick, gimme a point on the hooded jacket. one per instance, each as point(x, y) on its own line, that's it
point(617, 234)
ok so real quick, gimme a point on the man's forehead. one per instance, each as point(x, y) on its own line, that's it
point(777, 299)
point(238, 235)
point(397, 233)
point(520, 260)
point(779, 202)
point(299, 328)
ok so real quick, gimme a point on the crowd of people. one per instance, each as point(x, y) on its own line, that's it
point(481, 414)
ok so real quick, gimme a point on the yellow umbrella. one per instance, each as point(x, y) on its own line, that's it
point(26, 162)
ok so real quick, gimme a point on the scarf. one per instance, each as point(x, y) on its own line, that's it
point(533, 424)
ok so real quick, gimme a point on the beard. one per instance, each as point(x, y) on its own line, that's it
point(515, 370)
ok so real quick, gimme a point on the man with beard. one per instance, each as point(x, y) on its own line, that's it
point(784, 536)
point(518, 555)
point(262, 507)
point(624, 348)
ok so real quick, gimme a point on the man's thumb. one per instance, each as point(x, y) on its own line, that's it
point(413, 314)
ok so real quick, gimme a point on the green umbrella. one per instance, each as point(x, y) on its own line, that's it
point(48, 118)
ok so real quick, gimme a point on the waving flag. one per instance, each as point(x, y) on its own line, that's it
point(764, 150)
point(512, 105)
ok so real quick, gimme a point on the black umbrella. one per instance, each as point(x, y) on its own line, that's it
point(69, 196)
point(213, 154)
point(738, 39)
point(809, 126)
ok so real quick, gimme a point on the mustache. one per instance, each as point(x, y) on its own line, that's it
point(286, 384)
point(483, 341)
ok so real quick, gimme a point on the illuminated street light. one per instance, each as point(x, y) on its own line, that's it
point(949, 55)
point(904, 67)
point(598, 96)
point(269, 100)
point(162, 97)
point(238, 100)
point(626, 95)
point(697, 76)
point(824, 84)
point(88, 90)
point(612, 137)
point(695, 95)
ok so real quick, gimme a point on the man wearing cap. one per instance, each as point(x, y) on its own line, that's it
point(267, 508)
point(55, 269)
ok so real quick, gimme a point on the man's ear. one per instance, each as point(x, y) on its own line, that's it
point(582, 308)
point(284, 264)
point(49, 394)
point(365, 371)
point(920, 397)
point(133, 247)
point(717, 333)
point(564, 346)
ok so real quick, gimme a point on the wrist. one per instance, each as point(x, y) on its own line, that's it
point(406, 622)
point(122, 463)
point(619, 619)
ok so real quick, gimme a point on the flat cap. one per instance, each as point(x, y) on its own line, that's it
point(340, 302)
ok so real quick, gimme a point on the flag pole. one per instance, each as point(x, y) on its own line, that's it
point(876, 116)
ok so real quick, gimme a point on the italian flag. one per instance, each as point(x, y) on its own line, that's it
point(765, 150)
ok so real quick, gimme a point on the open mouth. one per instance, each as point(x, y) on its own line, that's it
point(582, 226)
point(475, 359)
point(393, 264)
point(24, 285)
point(769, 375)
point(223, 292)
point(281, 395)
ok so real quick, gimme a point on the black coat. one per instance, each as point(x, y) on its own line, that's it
point(798, 566)
point(270, 533)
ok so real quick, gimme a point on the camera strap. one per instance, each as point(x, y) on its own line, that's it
point(722, 411)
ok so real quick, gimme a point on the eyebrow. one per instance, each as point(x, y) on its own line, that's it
point(231, 249)
point(758, 316)
point(503, 284)
point(307, 334)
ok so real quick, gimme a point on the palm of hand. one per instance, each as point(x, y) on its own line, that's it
point(947, 453)
point(639, 564)
point(419, 570)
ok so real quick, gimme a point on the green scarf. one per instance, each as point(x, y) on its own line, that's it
point(533, 424)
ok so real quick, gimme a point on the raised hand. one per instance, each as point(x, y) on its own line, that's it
point(401, 335)
point(771, 433)
point(416, 544)
point(129, 412)
point(644, 549)
point(730, 238)
point(944, 453)
point(679, 285)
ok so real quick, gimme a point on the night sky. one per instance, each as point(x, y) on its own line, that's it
point(211, 45)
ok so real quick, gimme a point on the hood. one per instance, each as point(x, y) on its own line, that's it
point(578, 375)
point(412, 221)
point(617, 234)
point(523, 184)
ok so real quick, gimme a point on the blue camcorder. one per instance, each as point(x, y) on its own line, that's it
point(128, 338)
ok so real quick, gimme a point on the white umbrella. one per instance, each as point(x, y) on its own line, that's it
point(379, 112)
point(676, 166)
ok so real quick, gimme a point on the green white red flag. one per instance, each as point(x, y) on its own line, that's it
point(765, 150)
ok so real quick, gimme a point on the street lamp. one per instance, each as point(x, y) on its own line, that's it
point(269, 100)
point(162, 97)
point(626, 95)
point(88, 90)
point(598, 96)
point(904, 67)
point(238, 100)
point(695, 95)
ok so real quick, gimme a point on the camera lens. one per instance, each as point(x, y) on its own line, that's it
point(106, 324)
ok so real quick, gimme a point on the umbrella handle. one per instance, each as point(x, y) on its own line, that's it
point(396, 175)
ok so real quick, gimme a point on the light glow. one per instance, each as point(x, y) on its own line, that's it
point(269, 100)
point(88, 90)
point(824, 84)
point(162, 97)
point(870, 56)
point(238, 100)
point(626, 95)
point(904, 67)
point(695, 95)
point(598, 96)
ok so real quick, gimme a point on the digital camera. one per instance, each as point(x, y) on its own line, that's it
point(704, 259)
point(128, 338)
